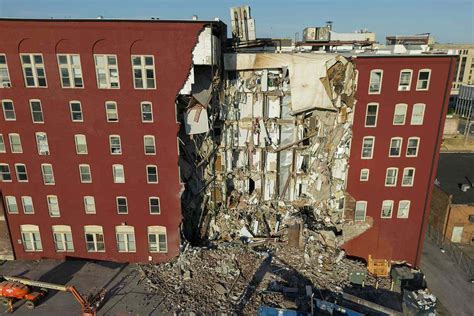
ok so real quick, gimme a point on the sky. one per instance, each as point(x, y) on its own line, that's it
point(449, 21)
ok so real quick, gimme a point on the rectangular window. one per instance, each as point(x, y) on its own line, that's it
point(371, 115)
point(81, 144)
point(42, 143)
point(63, 241)
point(403, 209)
point(360, 210)
point(70, 71)
point(395, 147)
point(368, 147)
point(21, 174)
point(143, 67)
point(15, 143)
point(111, 111)
point(33, 70)
point(387, 208)
point(149, 143)
point(3, 148)
point(115, 145)
point(400, 114)
point(118, 173)
point(122, 207)
point(4, 74)
point(405, 80)
point(423, 79)
point(89, 204)
point(107, 72)
point(48, 175)
point(152, 174)
point(76, 111)
point(30, 238)
point(8, 110)
point(5, 175)
point(154, 205)
point(408, 177)
point(157, 241)
point(125, 238)
point(53, 206)
point(375, 84)
point(364, 175)
point(391, 177)
point(36, 111)
point(85, 173)
point(412, 147)
point(418, 114)
point(94, 238)
point(12, 206)
point(147, 112)
point(28, 207)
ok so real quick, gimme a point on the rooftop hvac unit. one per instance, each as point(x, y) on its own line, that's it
point(316, 34)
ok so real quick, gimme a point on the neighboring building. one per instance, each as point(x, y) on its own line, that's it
point(417, 39)
point(452, 207)
point(397, 129)
point(88, 135)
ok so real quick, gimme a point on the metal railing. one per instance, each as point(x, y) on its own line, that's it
point(457, 254)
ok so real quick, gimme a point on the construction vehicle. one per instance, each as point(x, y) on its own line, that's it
point(14, 288)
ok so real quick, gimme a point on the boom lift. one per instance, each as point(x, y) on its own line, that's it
point(15, 288)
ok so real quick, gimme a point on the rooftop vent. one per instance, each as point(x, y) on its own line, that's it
point(100, 17)
point(466, 186)
point(195, 17)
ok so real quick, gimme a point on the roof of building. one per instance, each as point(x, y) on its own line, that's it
point(102, 19)
point(453, 169)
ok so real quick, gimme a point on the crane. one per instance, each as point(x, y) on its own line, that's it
point(20, 288)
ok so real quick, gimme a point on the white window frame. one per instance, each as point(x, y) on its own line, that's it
point(408, 87)
point(367, 114)
point(423, 107)
point(85, 167)
point(143, 69)
point(80, 141)
point(11, 204)
point(405, 107)
point(362, 171)
point(31, 101)
point(115, 168)
point(142, 113)
point(12, 143)
point(27, 201)
point(405, 170)
point(42, 145)
point(34, 70)
point(417, 147)
point(112, 146)
point(399, 148)
point(5, 111)
point(395, 177)
point(370, 81)
point(156, 246)
point(391, 202)
point(149, 174)
point(107, 116)
point(53, 208)
point(34, 237)
point(60, 236)
point(107, 70)
point(428, 80)
point(3, 147)
point(5, 82)
point(89, 208)
point(7, 172)
point(364, 203)
point(94, 231)
point(150, 206)
point(128, 235)
point(18, 173)
point(408, 212)
point(119, 205)
point(145, 146)
point(70, 67)
point(47, 165)
point(372, 148)
point(73, 111)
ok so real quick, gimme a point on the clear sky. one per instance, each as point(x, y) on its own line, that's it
point(448, 20)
